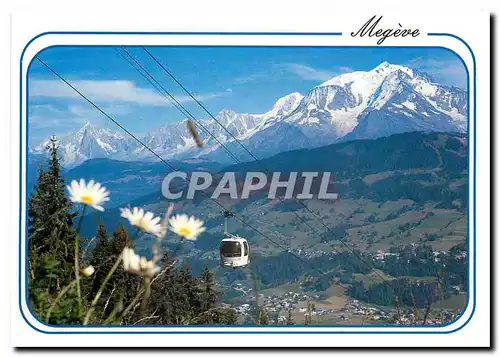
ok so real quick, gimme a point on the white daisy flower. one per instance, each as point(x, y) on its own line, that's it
point(88, 271)
point(187, 227)
point(135, 264)
point(148, 267)
point(92, 194)
point(146, 222)
point(130, 260)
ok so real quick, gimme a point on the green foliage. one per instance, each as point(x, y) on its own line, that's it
point(448, 269)
point(43, 291)
point(431, 237)
point(217, 316)
point(178, 298)
point(336, 233)
point(283, 268)
point(50, 216)
point(263, 317)
point(101, 259)
point(51, 244)
point(384, 293)
point(208, 294)
point(110, 295)
point(422, 261)
point(122, 287)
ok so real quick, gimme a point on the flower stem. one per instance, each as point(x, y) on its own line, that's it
point(112, 314)
point(159, 238)
point(131, 305)
point(143, 289)
point(58, 298)
point(101, 289)
point(147, 294)
point(77, 259)
point(177, 248)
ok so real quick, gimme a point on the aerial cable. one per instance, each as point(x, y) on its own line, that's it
point(258, 161)
point(169, 165)
point(369, 266)
point(211, 134)
point(165, 93)
point(174, 169)
point(104, 113)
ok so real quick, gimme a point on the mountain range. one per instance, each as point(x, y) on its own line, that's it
point(386, 100)
point(426, 168)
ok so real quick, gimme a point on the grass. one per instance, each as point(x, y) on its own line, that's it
point(372, 277)
point(454, 302)
point(286, 228)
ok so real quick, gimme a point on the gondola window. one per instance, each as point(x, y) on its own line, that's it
point(230, 249)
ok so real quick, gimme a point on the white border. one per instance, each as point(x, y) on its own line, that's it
point(48, 40)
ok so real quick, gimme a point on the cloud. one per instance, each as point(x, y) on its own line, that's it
point(314, 74)
point(345, 69)
point(450, 72)
point(87, 111)
point(301, 71)
point(70, 116)
point(308, 73)
point(43, 122)
point(250, 78)
point(49, 108)
point(109, 91)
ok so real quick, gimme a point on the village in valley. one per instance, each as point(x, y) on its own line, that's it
point(306, 307)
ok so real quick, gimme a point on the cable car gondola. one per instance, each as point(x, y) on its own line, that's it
point(234, 250)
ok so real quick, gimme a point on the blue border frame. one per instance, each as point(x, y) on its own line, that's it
point(250, 326)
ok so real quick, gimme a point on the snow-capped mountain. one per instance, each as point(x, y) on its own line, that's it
point(342, 106)
point(89, 142)
point(386, 100)
point(174, 140)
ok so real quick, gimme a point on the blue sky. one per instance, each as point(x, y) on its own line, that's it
point(245, 79)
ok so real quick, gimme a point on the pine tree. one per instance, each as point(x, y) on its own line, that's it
point(208, 294)
point(50, 242)
point(178, 298)
point(162, 301)
point(37, 231)
point(50, 213)
point(174, 297)
point(122, 287)
point(101, 259)
point(187, 290)
point(217, 316)
point(126, 284)
point(209, 313)
point(121, 239)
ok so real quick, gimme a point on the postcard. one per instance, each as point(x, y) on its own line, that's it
point(242, 184)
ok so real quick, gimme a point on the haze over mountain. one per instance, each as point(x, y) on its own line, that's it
point(426, 168)
point(386, 100)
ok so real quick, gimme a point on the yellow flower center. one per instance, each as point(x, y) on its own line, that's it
point(87, 199)
point(139, 223)
point(184, 231)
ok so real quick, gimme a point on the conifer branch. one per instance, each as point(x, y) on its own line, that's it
point(101, 289)
point(58, 298)
point(77, 259)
